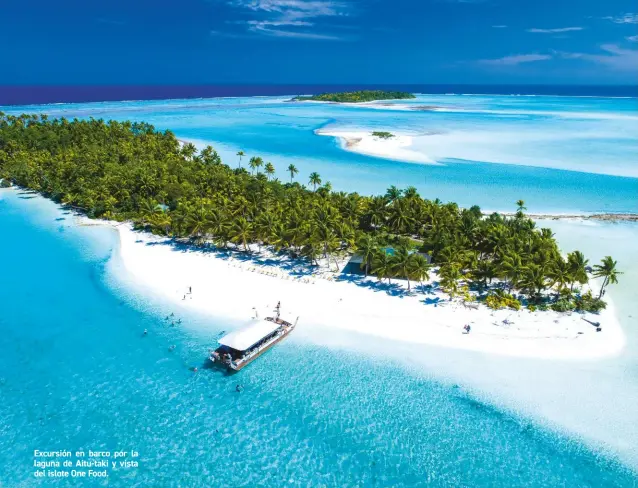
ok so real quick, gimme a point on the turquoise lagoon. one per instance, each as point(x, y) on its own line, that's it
point(76, 372)
point(324, 410)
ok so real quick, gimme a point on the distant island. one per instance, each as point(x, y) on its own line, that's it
point(356, 97)
point(382, 134)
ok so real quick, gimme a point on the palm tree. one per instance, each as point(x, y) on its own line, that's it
point(218, 226)
point(367, 248)
point(534, 280)
point(161, 220)
point(399, 217)
point(520, 204)
point(393, 193)
point(209, 156)
point(326, 237)
point(269, 169)
point(485, 271)
point(255, 162)
point(607, 270)
point(278, 236)
point(418, 267)
point(577, 268)
point(315, 180)
point(241, 154)
point(377, 211)
point(189, 150)
point(242, 230)
point(411, 193)
point(560, 273)
point(196, 222)
point(147, 208)
point(513, 268)
point(383, 265)
point(311, 250)
point(401, 263)
point(292, 169)
point(450, 275)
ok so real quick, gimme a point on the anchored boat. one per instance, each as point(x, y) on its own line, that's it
point(243, 346)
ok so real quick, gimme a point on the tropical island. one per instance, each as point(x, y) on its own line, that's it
point(356, 97)
point(382, 134)
point(128, 171)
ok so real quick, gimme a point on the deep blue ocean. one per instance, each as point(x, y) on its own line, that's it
point(28, 94)
point(76, 372)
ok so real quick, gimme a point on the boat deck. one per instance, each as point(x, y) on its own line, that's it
point(235, 360)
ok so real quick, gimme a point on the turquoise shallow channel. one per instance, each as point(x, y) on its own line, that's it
point(76, 372)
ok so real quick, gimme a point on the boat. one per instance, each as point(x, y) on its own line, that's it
point(241, 347)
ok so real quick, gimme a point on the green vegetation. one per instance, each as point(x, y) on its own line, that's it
point(358, 96)
point(497, 299)
point(383, 135)
point(130, 171)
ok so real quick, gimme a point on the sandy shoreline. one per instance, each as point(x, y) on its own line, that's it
point(229, 287)
point(396, 148)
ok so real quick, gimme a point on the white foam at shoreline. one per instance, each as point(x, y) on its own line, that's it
point(228, 288)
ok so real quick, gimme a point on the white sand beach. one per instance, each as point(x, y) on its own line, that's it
point(232, 286)
point(397, 148)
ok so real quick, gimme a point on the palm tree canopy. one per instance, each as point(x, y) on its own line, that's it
point(315, 179)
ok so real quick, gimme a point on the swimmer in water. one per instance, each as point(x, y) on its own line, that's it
point(145, 332)
point(172, 348)
point(238, 388)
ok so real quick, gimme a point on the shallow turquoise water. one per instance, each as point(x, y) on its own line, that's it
point(579, 136)
point(76, 372)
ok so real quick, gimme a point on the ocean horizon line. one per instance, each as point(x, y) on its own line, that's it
point(49, 94)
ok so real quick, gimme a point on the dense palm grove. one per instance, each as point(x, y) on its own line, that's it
point(358, 96)
point(130, 171)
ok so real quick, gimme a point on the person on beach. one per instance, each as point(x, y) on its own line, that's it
point(190, 289)
point(467, 329)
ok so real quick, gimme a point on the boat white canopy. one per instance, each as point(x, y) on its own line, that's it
point(249, 335)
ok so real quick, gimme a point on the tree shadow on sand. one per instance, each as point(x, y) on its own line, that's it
point(294, 267)
point(392, 289)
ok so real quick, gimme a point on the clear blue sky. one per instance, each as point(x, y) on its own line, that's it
point(319, 41)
